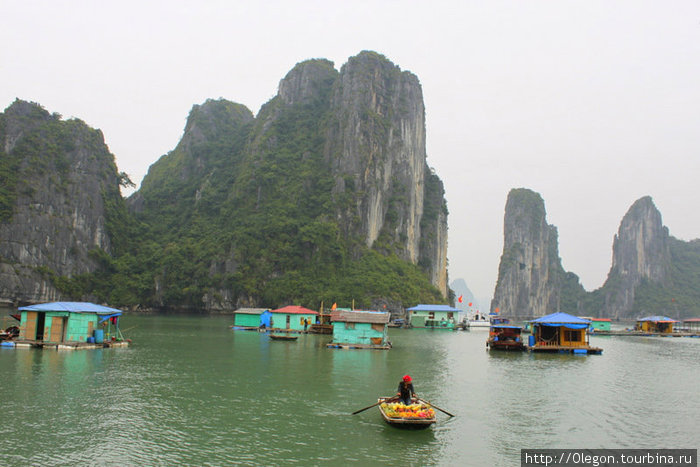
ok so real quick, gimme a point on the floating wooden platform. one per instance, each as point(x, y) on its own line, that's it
point(68, 345)
point(565, 349)
point(644, 334)
point(358, 346)
point(321, 329)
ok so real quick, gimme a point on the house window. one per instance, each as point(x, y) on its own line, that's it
point(573, 336)
point(431, 315)
point(349, 325)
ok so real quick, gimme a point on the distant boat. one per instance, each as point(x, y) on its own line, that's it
point(479, 322)
point(283, 337)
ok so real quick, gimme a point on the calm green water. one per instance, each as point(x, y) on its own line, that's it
point(191, 391)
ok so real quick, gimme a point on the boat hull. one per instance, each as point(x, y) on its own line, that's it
point(405, 423)
point(278, 337)
point(506, 345)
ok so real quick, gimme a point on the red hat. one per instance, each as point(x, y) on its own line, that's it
point(407, 378)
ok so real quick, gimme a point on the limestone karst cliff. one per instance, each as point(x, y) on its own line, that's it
point(327, 186)
point(58, 181)
point(375, 145)
point(530, 275)
point(641, 252)
point(651, 272)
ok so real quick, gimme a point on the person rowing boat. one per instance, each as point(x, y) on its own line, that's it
point(405, 392)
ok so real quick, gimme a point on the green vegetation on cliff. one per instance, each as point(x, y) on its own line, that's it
point(245, 212)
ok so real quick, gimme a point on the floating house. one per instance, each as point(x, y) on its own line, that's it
point(598, 324)
point(69, 325)
point(251, 318)
point(561, 332)
point(360, 329)
point(656, 324)
point(433, 316)
point(504, 336)
point(292, 318)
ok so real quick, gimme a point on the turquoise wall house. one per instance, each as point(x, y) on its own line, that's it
point(249, 317)
point(64, 322)
point(600, 324)
point(292, 318)
point(433, 316)
point(364, 329)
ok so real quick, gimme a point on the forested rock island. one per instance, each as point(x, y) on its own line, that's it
point(326, 194)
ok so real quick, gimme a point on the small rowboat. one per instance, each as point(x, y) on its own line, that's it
point(283, 337)
point(404, 422)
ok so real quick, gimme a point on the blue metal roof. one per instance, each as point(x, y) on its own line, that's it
point(433, 308)
point(563, 318)
point(74, 307)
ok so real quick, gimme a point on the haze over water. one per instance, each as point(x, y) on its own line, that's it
point(191, 391)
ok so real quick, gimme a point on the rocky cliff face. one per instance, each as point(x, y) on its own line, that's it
point(61, 174)
point(530, 273)
point(651, 273)
point(640, 253)
point(376, 147)
point(332, 168)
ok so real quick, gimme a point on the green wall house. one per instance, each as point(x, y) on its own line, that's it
point(433, 316)
point(600, 324)
point(248, 318)
point(360, 329)
point(67, 323)
point(293, 318)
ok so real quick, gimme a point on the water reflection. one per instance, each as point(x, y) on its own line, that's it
point(191, 391)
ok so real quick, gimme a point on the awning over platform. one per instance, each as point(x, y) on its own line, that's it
point(562, 319)
point(658, 319)
point(73, 307)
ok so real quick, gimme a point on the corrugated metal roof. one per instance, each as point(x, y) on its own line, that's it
point(295, 310)
point(658, 319)
point(358, 316)
point(73, 307)
point(251, 311)
point(423, 307)
point(560, 317)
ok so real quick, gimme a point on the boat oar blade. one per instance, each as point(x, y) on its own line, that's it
point(433, 405)
point(373, 405)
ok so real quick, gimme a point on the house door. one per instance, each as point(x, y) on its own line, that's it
point(30, 325)
point(57, 328)
point(289, 320)
point(35, 325)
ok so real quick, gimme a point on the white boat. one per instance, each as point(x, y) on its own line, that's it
point(479, 322)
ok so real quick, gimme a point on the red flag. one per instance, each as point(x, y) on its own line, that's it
point(335, 305)
point(459, 299)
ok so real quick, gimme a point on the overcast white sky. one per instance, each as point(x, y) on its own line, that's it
point(593, 104)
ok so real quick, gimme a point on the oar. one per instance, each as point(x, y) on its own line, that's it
point(374, 405)
point(433, 405)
